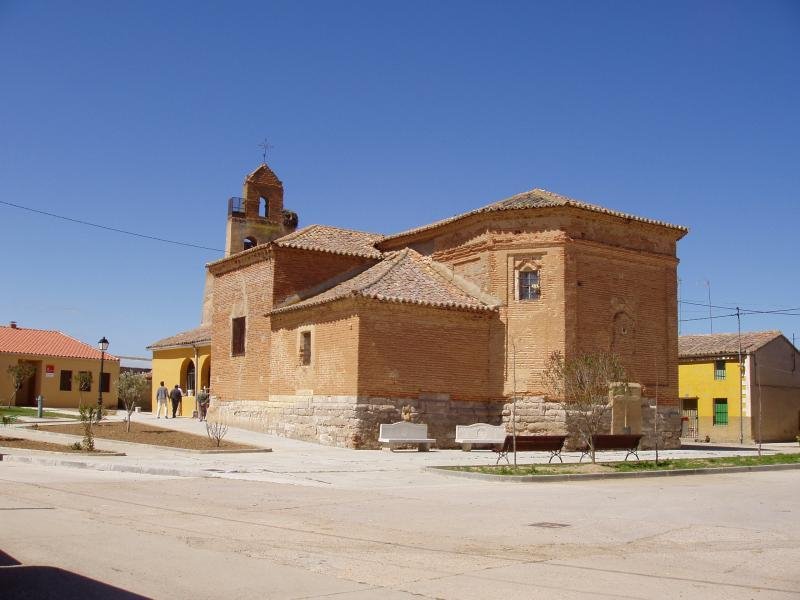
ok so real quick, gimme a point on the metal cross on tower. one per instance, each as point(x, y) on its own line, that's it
point(266, 147)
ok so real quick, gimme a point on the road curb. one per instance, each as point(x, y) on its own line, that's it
point(103, 466)
point(449, 472)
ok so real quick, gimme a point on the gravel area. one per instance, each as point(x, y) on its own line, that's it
point(142, 433)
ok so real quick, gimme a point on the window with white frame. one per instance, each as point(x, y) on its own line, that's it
point(528, 284)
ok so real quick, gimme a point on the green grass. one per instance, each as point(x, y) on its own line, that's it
point(26, 411)
point(671, 464)
point(700, 463)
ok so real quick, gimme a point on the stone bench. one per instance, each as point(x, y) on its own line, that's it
point(532, 443)
point(627, 442)
point(479, 433)
point(392, 435)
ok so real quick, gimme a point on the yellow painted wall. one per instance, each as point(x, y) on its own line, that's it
point(170, 365)
point(49, 386)
point(696, 380)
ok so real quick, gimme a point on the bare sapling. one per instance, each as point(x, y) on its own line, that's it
point(581, 386)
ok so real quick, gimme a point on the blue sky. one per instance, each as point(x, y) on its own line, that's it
point(146, 116)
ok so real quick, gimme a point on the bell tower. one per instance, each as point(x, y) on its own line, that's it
point(258, 217)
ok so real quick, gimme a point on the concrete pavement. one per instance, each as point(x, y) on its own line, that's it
point(300, 463)
point(731, 536)
point(308, 521)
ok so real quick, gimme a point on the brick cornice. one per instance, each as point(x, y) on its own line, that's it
point(240, 259)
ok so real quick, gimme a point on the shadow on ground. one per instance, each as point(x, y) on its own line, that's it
point(50, 583)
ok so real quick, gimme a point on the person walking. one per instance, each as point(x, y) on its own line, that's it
point(175, 395)
point(203, 399)
point(162, 393)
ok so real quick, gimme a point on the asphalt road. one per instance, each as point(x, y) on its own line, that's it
point(83, 534)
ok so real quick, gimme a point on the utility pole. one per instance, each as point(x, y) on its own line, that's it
point(760, 406)
point(655, 416)
point(741, 376)
point(679, 307)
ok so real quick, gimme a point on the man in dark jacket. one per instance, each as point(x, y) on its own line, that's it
point(175, 395)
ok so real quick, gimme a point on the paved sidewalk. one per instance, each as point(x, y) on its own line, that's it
point(296, 462)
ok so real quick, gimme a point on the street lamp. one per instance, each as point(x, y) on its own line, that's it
point(103, 346)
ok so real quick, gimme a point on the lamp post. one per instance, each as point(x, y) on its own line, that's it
point(103, 346)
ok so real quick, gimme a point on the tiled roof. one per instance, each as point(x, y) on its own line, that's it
point(718, 344)
point(43, 342)
point(405, 277)
point(200, 336)
point(336, 240)
point(536, 198)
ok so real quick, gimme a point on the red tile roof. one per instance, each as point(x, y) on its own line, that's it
point(324, 238)
point(536, 198)
point(405, 277)
point(718, 344)
point(42, 342)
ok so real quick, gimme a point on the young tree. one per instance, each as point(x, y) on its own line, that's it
point(131, 388)
point(216, 431)
point(88, 414)
point(19, 374)
point(83, 381)
point(581, 385)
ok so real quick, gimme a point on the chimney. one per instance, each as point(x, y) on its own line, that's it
point(13, 324)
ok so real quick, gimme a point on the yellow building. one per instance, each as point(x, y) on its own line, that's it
point(722, 401)
point(183, 359)
point(57, 360)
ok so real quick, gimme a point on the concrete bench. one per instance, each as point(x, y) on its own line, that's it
point(392, 435)
point(479, 433)
point(532, 443)
point(627, 442)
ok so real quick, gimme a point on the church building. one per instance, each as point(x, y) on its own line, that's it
point(322, 333)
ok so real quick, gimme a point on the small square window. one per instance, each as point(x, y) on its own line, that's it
point(305, 348)
point(720, 411)
point(719, 370)
point(65, 385)
point(529, 285)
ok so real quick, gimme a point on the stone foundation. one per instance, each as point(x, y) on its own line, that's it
point(537, 416)
point(353, 422)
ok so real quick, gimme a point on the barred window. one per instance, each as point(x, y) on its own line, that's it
point(305, 348)
point(719, 370)
point(65, 384)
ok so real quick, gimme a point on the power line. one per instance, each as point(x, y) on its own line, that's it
point(762, 312)
point(744, 311)
point(107, 228)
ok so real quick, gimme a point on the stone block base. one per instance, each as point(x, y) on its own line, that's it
point(353, 421)
point(537, 416)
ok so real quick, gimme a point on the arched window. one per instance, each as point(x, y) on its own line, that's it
point(190, 376)
point(250, 242)
point(263, 207)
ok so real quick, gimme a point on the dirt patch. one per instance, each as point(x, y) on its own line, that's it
point(23, 444)
point(142, 433)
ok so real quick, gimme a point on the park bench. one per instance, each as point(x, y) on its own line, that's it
point(627, 442)
point(479, 433)
point(532, 443)
point(392, 435)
